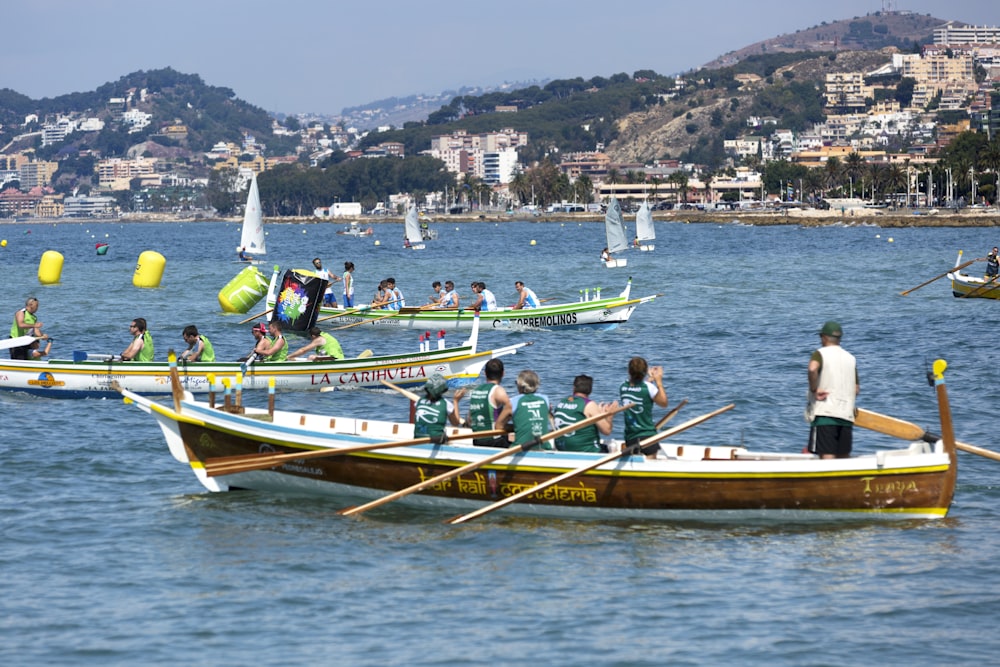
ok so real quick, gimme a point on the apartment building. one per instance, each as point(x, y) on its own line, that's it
point(847, 91)
point(37, 174)
point(117, 173)
point(951, 34)
point(464, 153)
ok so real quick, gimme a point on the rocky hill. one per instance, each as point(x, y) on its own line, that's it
point(671, 129)
point(870, 33)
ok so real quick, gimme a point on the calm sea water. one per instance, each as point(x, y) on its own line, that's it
point(112, 554)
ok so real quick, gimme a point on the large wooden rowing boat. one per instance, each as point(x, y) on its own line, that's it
point(92, 375)
point(359, 459)
point(600, 313)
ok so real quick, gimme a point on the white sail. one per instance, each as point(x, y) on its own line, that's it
point(614, 226)
point(414, 239)
point(645, 233)
point(252, 239)
point(644, 230)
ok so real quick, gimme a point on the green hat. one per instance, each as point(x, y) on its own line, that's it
point(435, 386)
point(832, 329)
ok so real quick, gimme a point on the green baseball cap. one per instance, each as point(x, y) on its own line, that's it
point(832, 329)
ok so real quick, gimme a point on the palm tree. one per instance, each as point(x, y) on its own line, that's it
point(834, 172)
point(854, 168)
point(895, 180)
point(989, 160)
point(679, 179)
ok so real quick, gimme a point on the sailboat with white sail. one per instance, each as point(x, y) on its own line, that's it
point(252, 237)
point(414, 240)
point(614, 227)
point(645, 233)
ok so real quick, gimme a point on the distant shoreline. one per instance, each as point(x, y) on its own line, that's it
point(804, 218)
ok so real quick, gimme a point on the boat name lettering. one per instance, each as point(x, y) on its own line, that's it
point(893, 488)
point(476, 485)
point(377, 374)
point(545, 320)
point(107, 376)
point(302, 469)
point(559, 493)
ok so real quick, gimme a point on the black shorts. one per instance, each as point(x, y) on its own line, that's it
point(648, 450)
point(835, 439)
point(498, 441)
point(22, 352)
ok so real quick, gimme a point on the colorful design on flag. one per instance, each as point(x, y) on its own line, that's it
point(298, 301)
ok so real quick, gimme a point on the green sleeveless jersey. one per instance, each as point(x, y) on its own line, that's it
point(430, 418)
point(146, 353)
point(638, 418)
point(531, 419)
point(482, 415)
point(567, 412)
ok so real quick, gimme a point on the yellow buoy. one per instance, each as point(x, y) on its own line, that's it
point(149, 269)
point(3, 244)
point(532, 241)
point(377, 242)
point(50, 268)
point(242, 292)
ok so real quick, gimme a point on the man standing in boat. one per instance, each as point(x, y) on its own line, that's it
point(833, 389)
point(992, 265)
point(329, 299)
point(25, 323)
point(643, 389)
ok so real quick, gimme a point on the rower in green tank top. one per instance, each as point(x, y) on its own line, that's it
point(199, 347)
point(141, 347)
point(575, 409)
point(489, 406)
point(642, 393)
point(531, 411)
point(274, 348)
point(322, 344)
point(433, 412)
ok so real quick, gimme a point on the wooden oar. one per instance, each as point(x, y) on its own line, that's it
point(905, 430)
point(253, 317)
point(353, 311)
point(469, 467)
point(230, 465)
point(670, 415)
point(951, 270)
point(391, 313)
point(405, 392)
point(662, 435)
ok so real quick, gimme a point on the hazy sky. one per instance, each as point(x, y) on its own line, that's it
point(297, 56)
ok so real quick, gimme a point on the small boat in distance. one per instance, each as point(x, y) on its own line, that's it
point(354, 229)
point(252, 241)
point(614, 229)
point(414, 240)
point(645, 232)
point(965, 286)
point(590, 311)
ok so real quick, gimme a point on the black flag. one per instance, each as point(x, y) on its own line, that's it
point(299, 299)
